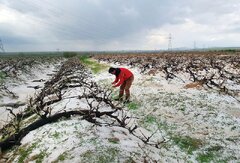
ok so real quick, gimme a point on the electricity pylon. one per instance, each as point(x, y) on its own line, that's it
point(169, 42)
point(168, 37)
point(1, 46)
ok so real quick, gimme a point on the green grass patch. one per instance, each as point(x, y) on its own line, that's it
point(150, 79)
point(211, 154)
point(113, 140)
point(24, 152)
point(150, 119)
point(92, 64)
point(69, 54)
point(101, 155)
point(39, 157)
point(2, 76)
point(56, 135)
point(132, 106)
point(206, 157)
point(165, 126)
point(94, 141)
point(148, 122)
point(61, 157)
point(187, 143)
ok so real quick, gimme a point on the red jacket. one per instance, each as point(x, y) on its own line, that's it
point(124, 75)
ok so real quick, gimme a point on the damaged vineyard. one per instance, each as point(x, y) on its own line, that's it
point(185, 107)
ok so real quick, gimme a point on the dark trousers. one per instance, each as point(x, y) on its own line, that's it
point(125, 87)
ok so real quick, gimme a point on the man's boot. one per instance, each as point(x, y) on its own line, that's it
point(120, 97)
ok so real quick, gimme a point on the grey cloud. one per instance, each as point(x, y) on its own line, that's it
point(235, 29)
point(104, 21)
point(108, 20)
point(9, 37)
point(22, 6)
point(205, 11)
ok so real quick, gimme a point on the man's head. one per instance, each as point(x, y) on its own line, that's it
point(112, 70)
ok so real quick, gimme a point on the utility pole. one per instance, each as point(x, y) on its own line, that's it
point(169, 42)
point(169, 38)
point(1, 46)
point(194, 45)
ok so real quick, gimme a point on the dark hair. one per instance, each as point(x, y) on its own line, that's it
point(117, 71)
point(111, 69)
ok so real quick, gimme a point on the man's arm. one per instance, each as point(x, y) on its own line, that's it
point(116, 80)
point(120, 82)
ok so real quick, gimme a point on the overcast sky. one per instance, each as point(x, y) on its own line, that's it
point(51, 25)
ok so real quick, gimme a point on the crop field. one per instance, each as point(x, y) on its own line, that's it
point(185, 107)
